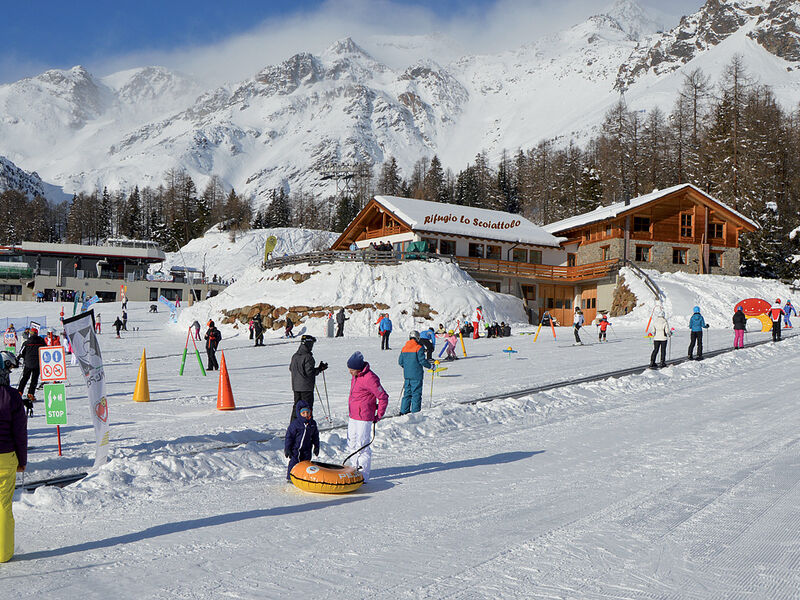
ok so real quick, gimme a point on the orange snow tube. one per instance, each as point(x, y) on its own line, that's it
point(325, 478)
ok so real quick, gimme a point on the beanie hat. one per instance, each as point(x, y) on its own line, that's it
point(356, 361)
point(34, 331)
point(740, 308)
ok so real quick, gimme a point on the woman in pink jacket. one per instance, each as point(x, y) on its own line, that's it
point(367, 403)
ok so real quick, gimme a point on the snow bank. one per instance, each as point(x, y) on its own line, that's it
point(450, 293)
point(218, 255)
point(716, 295)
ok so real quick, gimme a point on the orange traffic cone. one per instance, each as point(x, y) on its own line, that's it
point(141, 393)
point(224, 392)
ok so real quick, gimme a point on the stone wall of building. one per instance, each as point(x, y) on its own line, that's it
point(660, 256)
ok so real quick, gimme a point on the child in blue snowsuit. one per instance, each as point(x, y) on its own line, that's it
point(788, 309)
point(302, 437)
point(412, 359)
point(697, 323)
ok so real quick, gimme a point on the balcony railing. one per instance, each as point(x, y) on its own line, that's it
point(551, 272)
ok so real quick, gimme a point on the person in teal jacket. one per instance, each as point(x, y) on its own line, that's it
point(412, 359)
point(696, 324)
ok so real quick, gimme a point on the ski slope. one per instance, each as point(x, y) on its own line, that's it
point(679, 483)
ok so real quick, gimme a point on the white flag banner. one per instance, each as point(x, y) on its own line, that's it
point(80, 331)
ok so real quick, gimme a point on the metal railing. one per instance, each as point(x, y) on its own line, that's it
point(651, 285)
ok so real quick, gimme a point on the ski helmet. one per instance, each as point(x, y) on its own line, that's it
point(308, 340)
point(413, 335)
point(777, 300)
point(8, 361)
point(696, 309)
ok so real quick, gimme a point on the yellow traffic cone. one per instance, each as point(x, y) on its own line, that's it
point(141, 393)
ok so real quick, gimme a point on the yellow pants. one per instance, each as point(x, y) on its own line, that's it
point(8, 476)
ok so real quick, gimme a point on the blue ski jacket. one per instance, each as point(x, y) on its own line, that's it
point(697, 322)
point(788, 309)
point(302, 436)
point(427, 334)
point(386, 325)
point(412, 359)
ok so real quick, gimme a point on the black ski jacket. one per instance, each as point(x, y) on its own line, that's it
point(304, 373)
point(739, 320)
point(30, 351)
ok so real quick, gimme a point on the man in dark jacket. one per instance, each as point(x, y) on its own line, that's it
point(258, 330)
point(117, 325)
point(213, 338)
point(30, 354)
point(13, 451)
point(304, 373)
point(302, 437)
point(340, 319)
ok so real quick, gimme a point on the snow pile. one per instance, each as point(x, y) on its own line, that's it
point(218, 255)
point(716, 295)
point(407, 289)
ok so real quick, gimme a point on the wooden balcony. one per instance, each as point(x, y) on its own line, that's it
point(589, 271)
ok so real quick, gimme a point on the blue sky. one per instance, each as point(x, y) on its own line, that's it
point(105, 36)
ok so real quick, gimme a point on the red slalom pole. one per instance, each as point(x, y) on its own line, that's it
point(58, 433)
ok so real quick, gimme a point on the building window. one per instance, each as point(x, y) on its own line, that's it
point(493, 252)
point(641, 224)
point(679, 256)
point(686, 225)
point(604, 252)
point(433, 245)
point(476, 250)
point(608, 230)
point(568, 304)
point(519, 255)
point(715, 231)
point(535, 257)
point(529, 292)
point(447, 247)
point(715, 259)
point(588, 303)
point(643, 253)
point(572, 259)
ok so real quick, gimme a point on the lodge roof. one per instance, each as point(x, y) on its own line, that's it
point(453, 219)
point(617, 209)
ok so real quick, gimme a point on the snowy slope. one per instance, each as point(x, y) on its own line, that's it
point(715, 294)
point(281, 126)
point(217, 254)
point(448, 291)
point(679, 483)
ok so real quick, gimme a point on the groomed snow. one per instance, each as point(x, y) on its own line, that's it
point(678, 483)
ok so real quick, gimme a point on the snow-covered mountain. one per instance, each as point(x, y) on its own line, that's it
point(14, 178)
point(280, 127)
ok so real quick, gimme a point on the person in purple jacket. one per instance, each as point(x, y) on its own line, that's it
point(367, 404)
point(13, 451)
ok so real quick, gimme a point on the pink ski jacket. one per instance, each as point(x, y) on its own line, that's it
point(368, 400)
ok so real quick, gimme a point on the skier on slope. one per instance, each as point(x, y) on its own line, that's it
point(196, 326)
point(340, 319)
point(788, 309)
point(385, 329)
point(427, 338)
point(578, 322)
point(304, 373)
point(258, 330)
point(117, 325)
point(412, 359)
point(476, 321)
point(603, 324)
point(302, 438)
point(213, 338)
point(450, 345)
point(661, 334)
point(739, 327)
point(696, 324)
point(776, 314)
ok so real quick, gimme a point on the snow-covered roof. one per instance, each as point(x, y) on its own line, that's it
point(614, 210)
point(453, 219)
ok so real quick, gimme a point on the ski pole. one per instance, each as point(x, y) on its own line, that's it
point(433, 375)
point(322, 404)
point(185, 350)
point(327, 399)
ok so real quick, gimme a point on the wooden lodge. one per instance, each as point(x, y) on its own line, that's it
point(570, 263)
